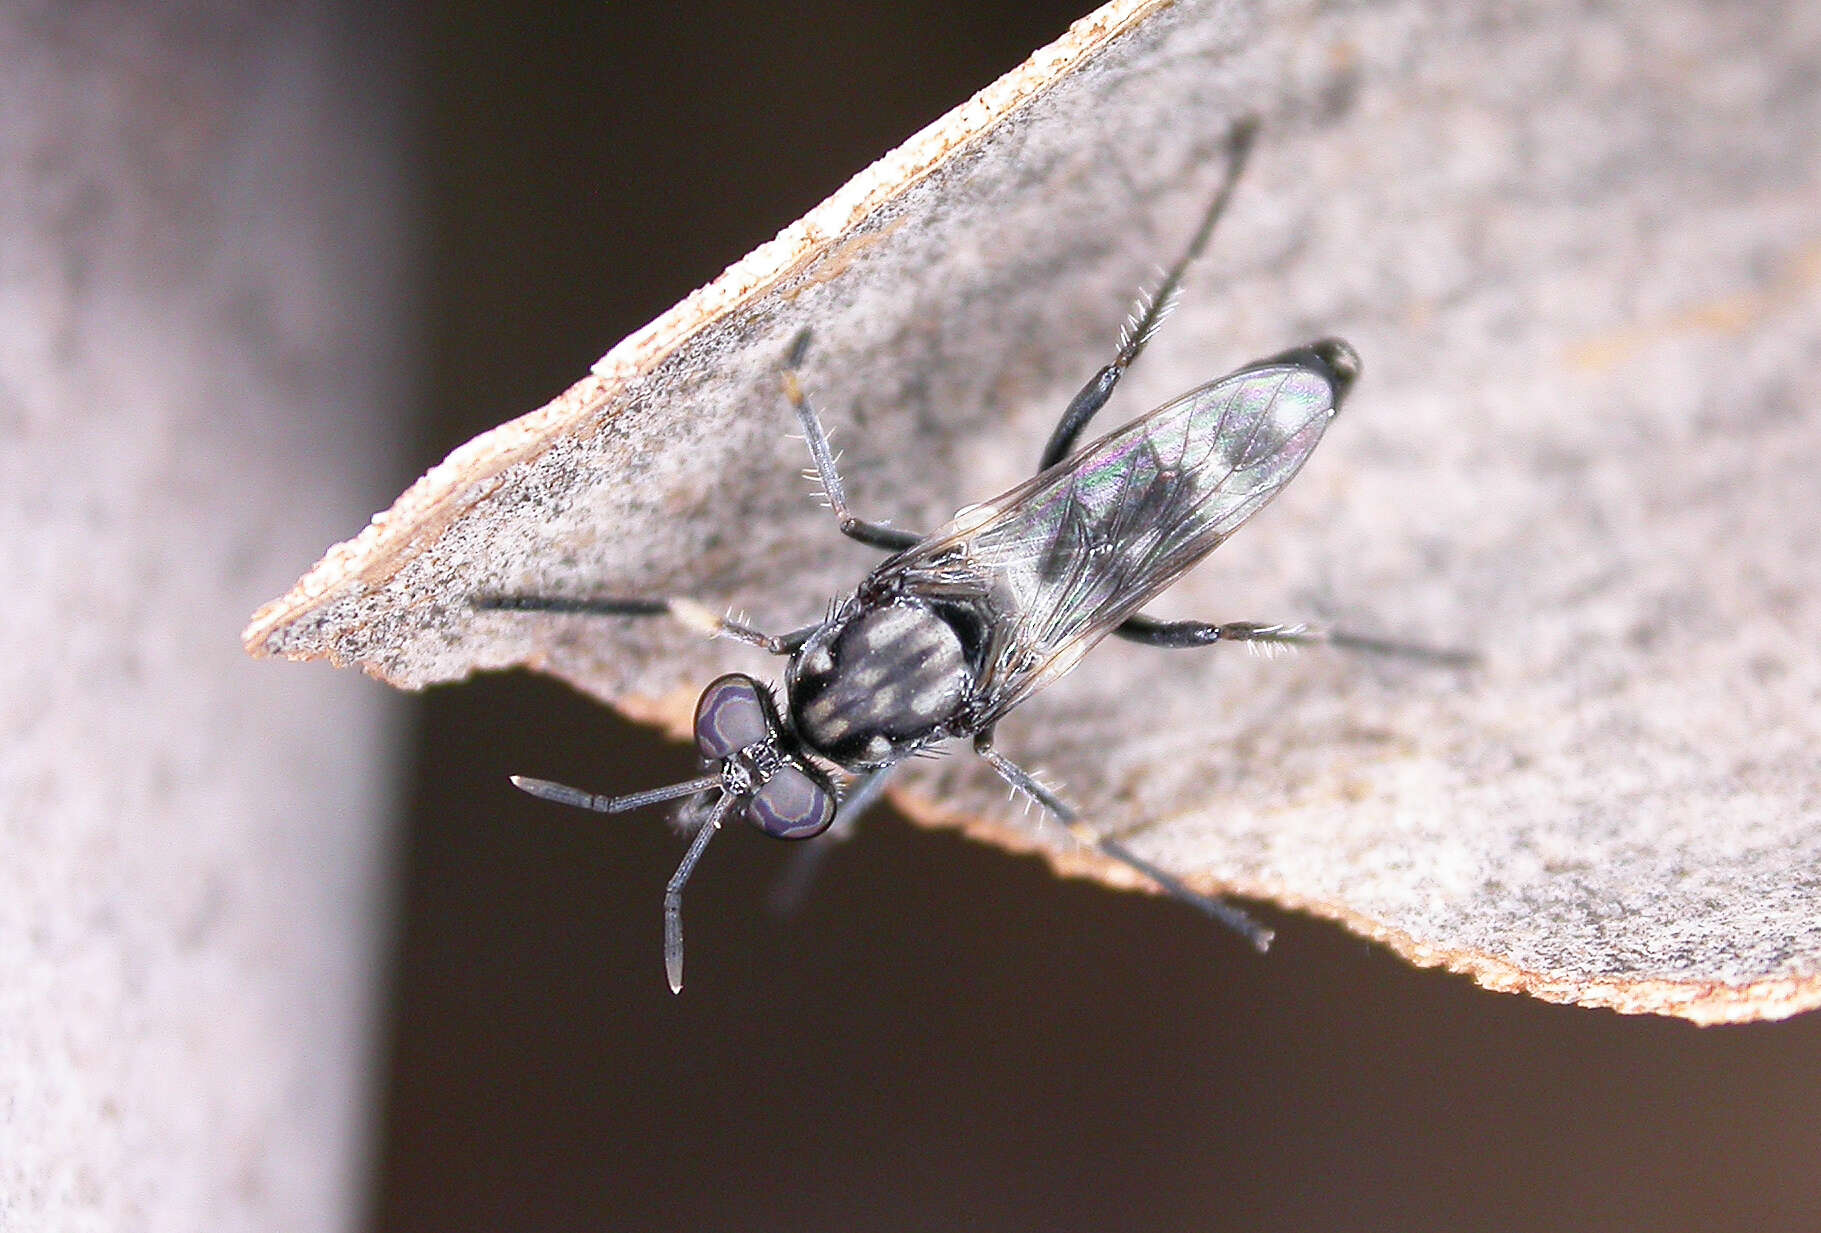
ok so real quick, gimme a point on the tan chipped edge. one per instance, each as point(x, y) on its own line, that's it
point(1703, 1002)
point(449, 489)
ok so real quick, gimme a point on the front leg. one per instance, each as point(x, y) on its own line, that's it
point(1022, 781)
point(1152, 632)
point(873, 534)
point(806, 859)
point(688, 612)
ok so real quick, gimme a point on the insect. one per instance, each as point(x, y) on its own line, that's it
point(956, 628)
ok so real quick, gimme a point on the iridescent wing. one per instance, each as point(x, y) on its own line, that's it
point(1055, 564)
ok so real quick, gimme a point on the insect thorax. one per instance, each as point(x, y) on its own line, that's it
point(878, 681)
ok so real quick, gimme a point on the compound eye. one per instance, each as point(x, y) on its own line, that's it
point(730, 716)
point(792, 804)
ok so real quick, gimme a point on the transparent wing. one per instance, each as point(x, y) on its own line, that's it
point(1057, 563)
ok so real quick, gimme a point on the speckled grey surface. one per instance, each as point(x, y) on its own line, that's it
point(1580, 253)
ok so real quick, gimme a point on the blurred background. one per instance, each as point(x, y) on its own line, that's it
point(942, 1035)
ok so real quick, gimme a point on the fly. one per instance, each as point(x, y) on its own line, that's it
point(957, 627)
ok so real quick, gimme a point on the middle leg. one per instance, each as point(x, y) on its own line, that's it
point(1175, 634)
point(1023, 781)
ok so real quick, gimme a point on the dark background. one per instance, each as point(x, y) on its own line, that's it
point(944, 1036)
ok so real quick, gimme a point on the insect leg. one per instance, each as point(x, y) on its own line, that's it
point(696, 616)
point(1024, 782)
point(1152, 632)
point(1151, 309)
point(806, 859)
point(874, 534)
